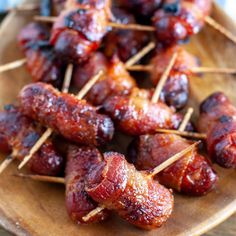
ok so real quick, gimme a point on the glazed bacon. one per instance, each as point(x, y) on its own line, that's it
point(218, 120)
point(42, 62)
point(192, 174)
point(176, 89)
point(124, 43)
point(74, 119)
point(80, 160)
point(137, 115)
point(20, 134)
point(116, 79)
point(78, 33)
point(177, 20)
point(137, 198)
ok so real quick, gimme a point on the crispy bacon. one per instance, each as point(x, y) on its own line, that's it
point(137, 115)
point(74, 119)
point(20, 134)
point(218, 120)
point(80, 160)
point(42, 62)
point(192, 174)
point(116, 79)
point(136, 197)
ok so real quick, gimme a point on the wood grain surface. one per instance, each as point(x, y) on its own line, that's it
point(33, 208)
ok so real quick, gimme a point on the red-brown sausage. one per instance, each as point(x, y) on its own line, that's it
point(80, 160)
point(192, 174)
point(21, 133)
point(74, 119)
point(218, 120)
point(137, 198)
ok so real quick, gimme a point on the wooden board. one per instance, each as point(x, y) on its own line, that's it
point(32, 208)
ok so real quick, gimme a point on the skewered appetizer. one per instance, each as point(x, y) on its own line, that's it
point(42, 62)
point(174, 21)
point(134, 195)
point(79, 164)
point(77, 33)
point(217, 120)
point(74, 119)
point(176, 90)
point(192, 174)
point(19, 134)
point(178, 20)
point(136, 114)
point(116, 79)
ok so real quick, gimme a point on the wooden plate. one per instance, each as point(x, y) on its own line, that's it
point(32, 208)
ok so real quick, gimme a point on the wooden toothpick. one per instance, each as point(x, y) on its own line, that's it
point(163, 79)
point(171, 160)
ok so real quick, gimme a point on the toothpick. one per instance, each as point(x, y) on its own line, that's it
point(186, 119)
point(193, 70)
point(163, 79)
point(46, 19)
point(183, 133)
point(36, 146)
point(171, 160)
point(50, 179)
point(137, 27)
point(67, 80)
point(210, 21)
point(89, 85)
point(12, 65)
point(197, 70)
point(93, 213)
point(144, 68)
point(140, 54)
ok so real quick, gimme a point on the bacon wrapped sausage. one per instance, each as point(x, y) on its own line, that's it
point(77, 33)
point(116, 79)
point(177, 20)
point(74, 119)
point(124, 43)
point(218, 120)
point(80, 160)
point(42, 62)
point(137, 115)
point(192, 174)
point(20, 134)
point(176, 89)
point(135, 196)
